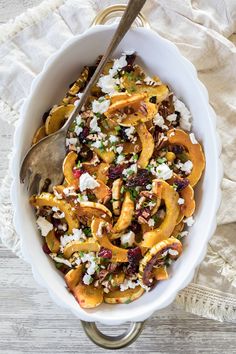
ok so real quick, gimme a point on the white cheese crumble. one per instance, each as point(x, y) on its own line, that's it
point(71, 141)
point(159, 121)
point(44, 225)
point(148, 187)
point(57, 195)
point(94, 125)
point(97, 144)
point(119, 149)
point(172, 117)
point(78, 130)
point(60, 260)
point(100, 106)
point(118, 65)
point(193, 138)
point(185, 115)
point(189, 221)
point(151, 222)
point(129, 132)
point(87, 182)
point(82, 198)
point(120, 158)
point(77, 235)
point(108, 84)
point(162, 171)
point(180, 201)
point(87, 279)
point(69, 191)
point(183, 234)
point(128, 284)
point(130, 170)
point(128, 238)
point(113, 138)
point(185, 167)
point(128, 52)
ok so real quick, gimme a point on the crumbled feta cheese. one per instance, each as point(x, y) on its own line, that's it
point(113, 138)
point(82, 198)
point(55, 209)
point(185, 115)
point(159, 121)
point(78, 130)
point(148, 187)
point(108, 84)
point(183, 234)
point(119, 149)
point(92, 268)
point(162, 171)
point(62, 227)
point(189, 221)
point(118, 65)
point(129, 132)
point(180, 201)
point(185, 167)
point(151, 222)
point(77, 235)
point(100, 106)
point(79, 120)
point(172, 117)
point(97, 144)
point(87, 182)
point(94, 125)
point(44, 225)
point(88, 257)
point(172, 134)
point(71, 141)
point(193, 138)
point(173, 252)
point(69, 191)
point(130, 170)
point(87, 279)
point(128, 238)
point(128, 284)
point(120, 158)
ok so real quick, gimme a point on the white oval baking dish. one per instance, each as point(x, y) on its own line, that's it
point(159, 57)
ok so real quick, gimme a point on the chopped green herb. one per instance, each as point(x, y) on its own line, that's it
point(161, 160)
point(81, 253)
point(117, 128)
point(87, 231)
point(125, 245)
point(128, 301)
point(133, 89)
point(58, 265)
point(174, 185)
point(122, 189)
point(110, 277)
point(98, 115)
point(135, 157)
point(79, 165)
point(133, 193)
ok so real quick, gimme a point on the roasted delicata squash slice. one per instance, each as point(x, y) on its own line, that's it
point(73, 277)
point(85, 246)
point(88, 296)
point(67, 167)
point(147, 145)
point(145, 113)
point(52, 242)
point(132, 147)
point(48, 199)
point(178, 228)
point(102, 192)
point(123, 297)
point(170, 197)
point(39, 135)
point(126, 214)
point(100, 171)
point(106, 156)
point(128, 101)
point(171, 247)
point(116, 196)
point(98, 228)
point(179, 137)
point(77, 86)
point(92, 209)
point(57, 118)
point(188, 208)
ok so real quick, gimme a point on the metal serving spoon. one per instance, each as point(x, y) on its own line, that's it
point(42, 165)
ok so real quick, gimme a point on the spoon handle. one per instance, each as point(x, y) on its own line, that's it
point(131, 12)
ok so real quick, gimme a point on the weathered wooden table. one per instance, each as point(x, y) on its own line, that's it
point(31, 323)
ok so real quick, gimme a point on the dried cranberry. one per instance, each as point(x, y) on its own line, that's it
point(142, 178)
point(134, 255)
point(77, 172)
point(105, 253)
point(115, 172)
point(181, 183)
point(46, 249)
point(83, 135)
point(177, 149)
point(135, 227)
point(123, 134)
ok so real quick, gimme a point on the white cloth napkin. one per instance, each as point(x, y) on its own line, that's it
point(204, 31)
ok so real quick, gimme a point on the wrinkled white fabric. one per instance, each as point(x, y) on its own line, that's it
point(204, 31)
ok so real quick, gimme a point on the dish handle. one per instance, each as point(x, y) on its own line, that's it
point(112, 342)
point(115, 11)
